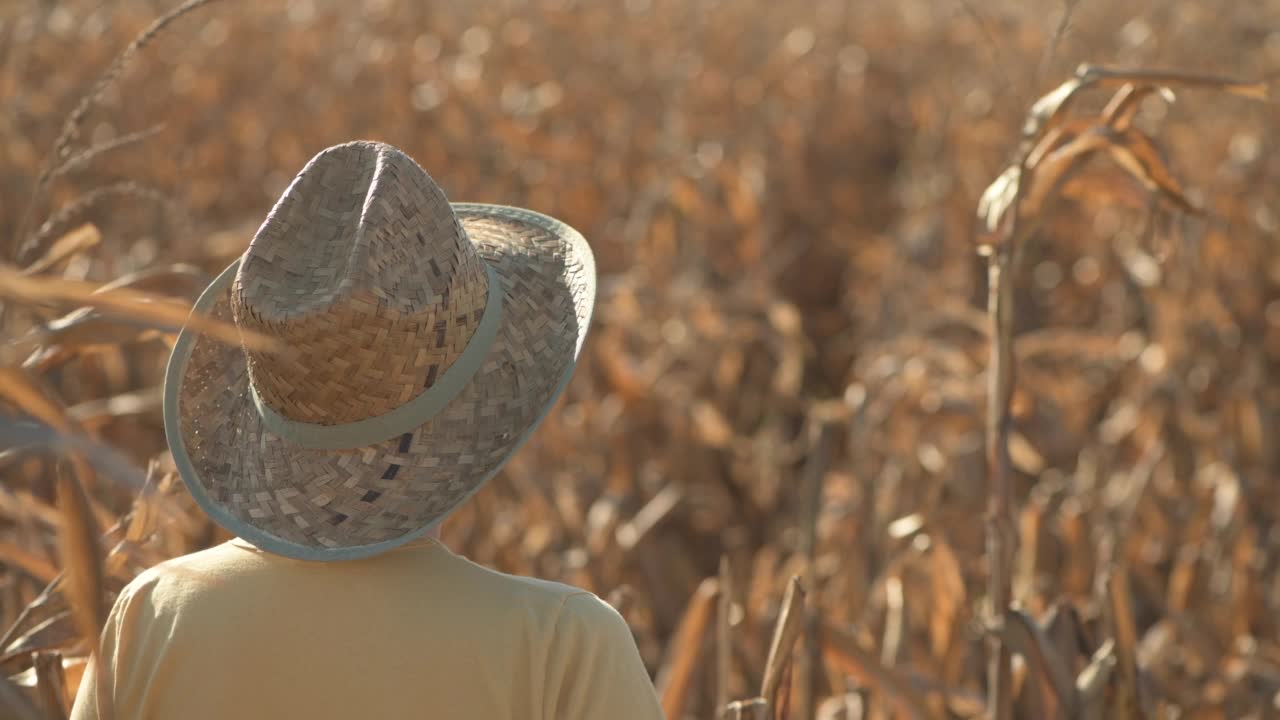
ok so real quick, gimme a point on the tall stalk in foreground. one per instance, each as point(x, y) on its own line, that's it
point(999, 517)
point(1012, 208)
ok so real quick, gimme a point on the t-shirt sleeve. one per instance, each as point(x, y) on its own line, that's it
point(594, 669)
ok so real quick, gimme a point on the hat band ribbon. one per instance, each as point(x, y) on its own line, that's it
point(412, 414)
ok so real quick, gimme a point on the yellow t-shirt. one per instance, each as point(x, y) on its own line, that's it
point(417, 632)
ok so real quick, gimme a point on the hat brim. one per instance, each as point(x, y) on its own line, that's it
point(348, 504)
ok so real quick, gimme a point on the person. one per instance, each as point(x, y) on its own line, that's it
point(396, 350)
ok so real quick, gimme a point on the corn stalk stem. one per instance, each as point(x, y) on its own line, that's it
point(999, 520)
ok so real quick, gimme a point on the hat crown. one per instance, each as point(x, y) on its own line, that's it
point(365, 273)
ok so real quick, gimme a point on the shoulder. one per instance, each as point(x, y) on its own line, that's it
point(547, 597)
point(562, 609)
point(184, 576)
point(587, 609)
point(586, 624)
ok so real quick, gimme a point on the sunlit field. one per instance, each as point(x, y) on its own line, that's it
point(810, 441)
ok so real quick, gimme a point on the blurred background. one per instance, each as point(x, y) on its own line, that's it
point(787, 373)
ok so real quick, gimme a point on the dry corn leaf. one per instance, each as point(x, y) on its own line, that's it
point(57, 631)
point(1044, 135)
point(895, 620)
point(178, 280)
point(998, 197)
point(786, 632)
point(624, 375)
point(841, 651)
point(142, 518)
point(1056, 137)
point(80, 549)
point(140, 402)
point(1113, 77)
point(88, 328)
point(141, 307)
point(16, 704)
point(1092, 682)
point(906, 526)
point(1065, 631)
point(675, 679)
point(1024, 455)
point(602, 520)
point(1137, 153)
point(1057, 167)
point(1024, 636)
point(1055, 158)
point(1046, 111)
point(1128, 702)
point(23, 559)
point(724, 633)
point(949, 598)
point(751, 709)
point(17, 437)
point(30, 396)
point(71, 670)
point(799, 175)
point(51, 684)
point(64, 248)
point(1123, 106)
point(659, 507)
point(48, 604)
point(82, 159)
point(710, 426)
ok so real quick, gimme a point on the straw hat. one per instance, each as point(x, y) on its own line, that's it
point(423, 342)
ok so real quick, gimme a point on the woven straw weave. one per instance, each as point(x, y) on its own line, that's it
point(376, 284)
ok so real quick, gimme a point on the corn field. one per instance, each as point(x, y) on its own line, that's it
point(935, 358)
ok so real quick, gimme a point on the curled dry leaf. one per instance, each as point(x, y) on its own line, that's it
point(1053, 145)
point(1137, 153)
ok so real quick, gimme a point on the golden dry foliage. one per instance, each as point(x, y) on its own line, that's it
point(774, 458)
